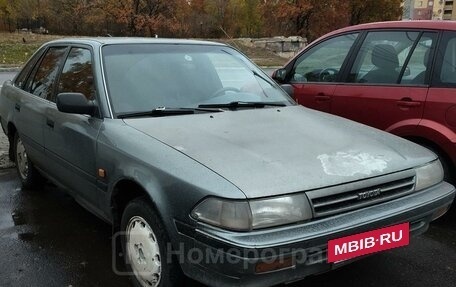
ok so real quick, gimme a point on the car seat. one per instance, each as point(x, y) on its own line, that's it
point(385, 60)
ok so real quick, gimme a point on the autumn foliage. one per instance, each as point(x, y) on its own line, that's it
point(193, 18)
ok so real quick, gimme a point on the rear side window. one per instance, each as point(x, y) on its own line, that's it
point(22, 77)
point(41, 83)
point(418, 69)
point(382, 56)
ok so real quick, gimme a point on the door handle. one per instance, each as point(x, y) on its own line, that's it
point(408, 103)
point(321, 97)
point(17, 107)
point(50, 123)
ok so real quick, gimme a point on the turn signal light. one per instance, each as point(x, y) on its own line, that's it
point(278, 264)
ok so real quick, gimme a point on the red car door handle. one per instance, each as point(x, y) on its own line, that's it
point(322, 98)
point(408, 104)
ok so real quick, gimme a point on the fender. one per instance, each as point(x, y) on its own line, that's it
point(433, 131)
point(404, 128)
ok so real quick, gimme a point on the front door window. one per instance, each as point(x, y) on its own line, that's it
point(77, 76)
point(323, 62)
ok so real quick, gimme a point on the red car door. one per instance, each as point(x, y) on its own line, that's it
point(387, 85)
point(314, 79)
point(394, 109)
point(315, 96)
point(439, 120)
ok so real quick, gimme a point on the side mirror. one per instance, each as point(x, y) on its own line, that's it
point(289, 89)
point(75, 103)
point(280, 75)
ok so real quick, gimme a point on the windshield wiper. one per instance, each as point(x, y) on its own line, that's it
point(163, 112)
point(255, 73)
point(241, 104)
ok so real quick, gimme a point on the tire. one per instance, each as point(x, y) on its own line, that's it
point(149, 248)
point(448, 175)
point(11, 148)
point(27, 173)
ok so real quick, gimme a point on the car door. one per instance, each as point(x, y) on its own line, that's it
point(32, 103)
point(387, 84)
point(315, 73)
point(70, 139)
point(439, 119)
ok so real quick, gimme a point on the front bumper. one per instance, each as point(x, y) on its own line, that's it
point(224, 258)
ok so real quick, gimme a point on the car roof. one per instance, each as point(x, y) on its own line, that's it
point(131, 40)
point(410, 24)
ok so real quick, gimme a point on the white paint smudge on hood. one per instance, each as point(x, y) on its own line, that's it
point(352, 162)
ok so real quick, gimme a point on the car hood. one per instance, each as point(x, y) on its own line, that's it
point(273, 151)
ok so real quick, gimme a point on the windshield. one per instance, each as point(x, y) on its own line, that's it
point(142, 77)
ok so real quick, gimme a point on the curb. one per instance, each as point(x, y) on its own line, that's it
point(271, 67)
point(10, 70)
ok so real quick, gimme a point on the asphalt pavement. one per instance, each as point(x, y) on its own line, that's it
point(47, 239)
point(4, 76)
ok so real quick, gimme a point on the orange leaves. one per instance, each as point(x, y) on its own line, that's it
point(290, 9)
point(196, 18)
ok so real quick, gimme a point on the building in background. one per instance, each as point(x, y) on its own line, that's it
point(449, 11)
point(437, 13)
point(422, 10)
point(429, 10)
point(407, 9)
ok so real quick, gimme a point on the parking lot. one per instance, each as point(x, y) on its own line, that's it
point(47, 239)
point(4, 76)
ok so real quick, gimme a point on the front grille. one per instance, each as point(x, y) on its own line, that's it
point(343, 198)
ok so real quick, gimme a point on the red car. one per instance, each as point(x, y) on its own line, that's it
point(396, 76)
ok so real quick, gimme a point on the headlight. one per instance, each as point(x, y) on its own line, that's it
point(228, 214)
point(428, 175)
point(253, 214)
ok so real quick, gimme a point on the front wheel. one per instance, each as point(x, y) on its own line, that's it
point(145, 246)
point(28, 174)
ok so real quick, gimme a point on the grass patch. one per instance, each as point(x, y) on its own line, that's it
point(16, 49)
point(14, 55)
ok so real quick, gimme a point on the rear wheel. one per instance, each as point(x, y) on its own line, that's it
point(145, 246)
point(28, 175)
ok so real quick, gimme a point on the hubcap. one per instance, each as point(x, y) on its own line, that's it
point(143, 252)
point(21, 159)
